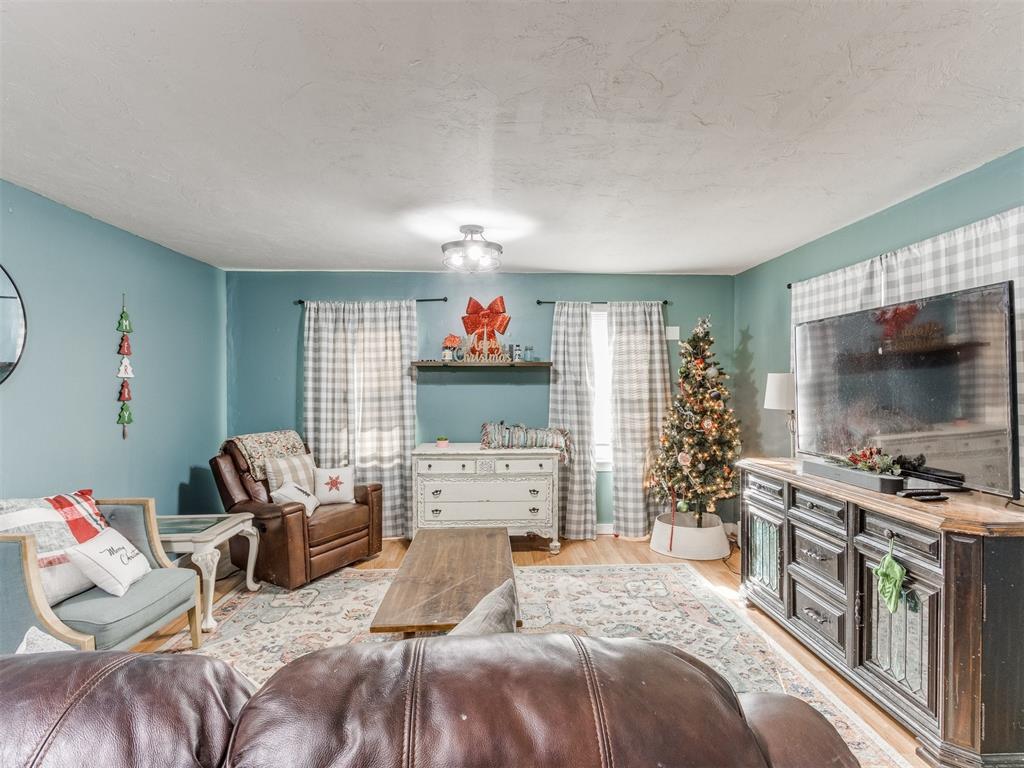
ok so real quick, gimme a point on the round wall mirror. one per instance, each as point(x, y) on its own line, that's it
point(12, 324)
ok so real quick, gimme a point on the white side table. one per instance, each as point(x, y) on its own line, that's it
point(199, 536)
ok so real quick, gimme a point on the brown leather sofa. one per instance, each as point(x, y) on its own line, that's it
point(515, 701)
point(295, 549)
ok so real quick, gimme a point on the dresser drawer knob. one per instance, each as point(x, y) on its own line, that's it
point(436, 492)
point(814, 616)
point(506, 466)
point(430, 466)
point(435, 512)
point(534, 510)
point(541, 465)
point(534, 492)
point(889, 534)
point(463, 466)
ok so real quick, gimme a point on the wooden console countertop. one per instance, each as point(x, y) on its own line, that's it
point(978, 514)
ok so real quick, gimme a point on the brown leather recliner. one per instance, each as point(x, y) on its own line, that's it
point(295, 549)
point(500, 701)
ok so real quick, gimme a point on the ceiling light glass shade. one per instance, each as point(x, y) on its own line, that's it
point(472, 253)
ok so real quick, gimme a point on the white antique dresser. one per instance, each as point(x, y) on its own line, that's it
point(464, 485)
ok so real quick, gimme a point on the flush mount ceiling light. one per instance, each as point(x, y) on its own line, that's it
point(472, 253)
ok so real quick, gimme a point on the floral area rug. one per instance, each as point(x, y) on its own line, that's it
point(258, 632)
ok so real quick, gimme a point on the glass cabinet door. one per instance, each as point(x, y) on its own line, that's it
point(901, 649)
point(764, 542)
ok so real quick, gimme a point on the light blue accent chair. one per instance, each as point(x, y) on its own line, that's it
point(95, 619)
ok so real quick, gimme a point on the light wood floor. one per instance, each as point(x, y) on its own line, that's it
point(608, 550)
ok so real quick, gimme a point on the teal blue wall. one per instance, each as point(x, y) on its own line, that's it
point(197, 382)
point(762, 299)
point(265, 333)
point(58, 408)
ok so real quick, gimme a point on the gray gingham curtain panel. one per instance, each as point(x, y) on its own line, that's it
point(571, 406)
point(640, 397)
point(359, 403)
point(985, 252)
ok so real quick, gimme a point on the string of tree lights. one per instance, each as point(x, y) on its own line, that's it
point(700, 437)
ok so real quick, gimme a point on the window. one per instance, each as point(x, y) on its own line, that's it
point(602, 388)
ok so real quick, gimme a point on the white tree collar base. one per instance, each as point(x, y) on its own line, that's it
point(688, 541)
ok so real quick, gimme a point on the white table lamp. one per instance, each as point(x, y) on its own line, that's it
point(780, 395)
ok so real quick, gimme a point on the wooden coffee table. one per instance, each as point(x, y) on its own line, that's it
point(444, 575)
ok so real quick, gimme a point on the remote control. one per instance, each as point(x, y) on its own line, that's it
point(931, 497)
point(913, 493)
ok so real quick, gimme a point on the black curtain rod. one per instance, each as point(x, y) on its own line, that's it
point(542, 301)
point(443, 298)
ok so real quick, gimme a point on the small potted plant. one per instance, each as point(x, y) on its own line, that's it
point(441, 442)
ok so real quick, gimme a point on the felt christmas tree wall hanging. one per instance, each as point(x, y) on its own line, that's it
point(700, 437)
point(124, 370)
point(124, 416)
point(124, 323)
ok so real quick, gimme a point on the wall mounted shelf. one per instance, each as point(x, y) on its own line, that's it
point(452, 364)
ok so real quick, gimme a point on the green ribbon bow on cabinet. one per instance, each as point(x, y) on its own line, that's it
point(890, 575)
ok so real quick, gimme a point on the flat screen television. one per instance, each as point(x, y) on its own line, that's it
point(933, 377)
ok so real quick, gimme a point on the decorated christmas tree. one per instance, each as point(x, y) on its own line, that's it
point(700, 438)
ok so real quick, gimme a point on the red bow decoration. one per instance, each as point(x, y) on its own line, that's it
point(484, 322)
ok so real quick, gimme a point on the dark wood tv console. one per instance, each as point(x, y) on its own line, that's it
point(949, 664)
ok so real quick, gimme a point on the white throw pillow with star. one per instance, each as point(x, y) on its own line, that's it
point(336, 486)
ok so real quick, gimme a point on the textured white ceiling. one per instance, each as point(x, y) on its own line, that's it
point(595, 137)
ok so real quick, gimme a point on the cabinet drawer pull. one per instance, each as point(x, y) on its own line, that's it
point(435, 512)
point(534, 510)
point(763, 488)
point(534, 492)
point(541, 465)
point(506, 466)
point(814, 616)
point(812, 554)
point(430, 466)
point(890, 534)
point(463, 466)
point(436, 492)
